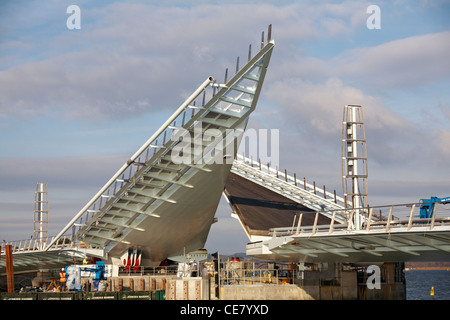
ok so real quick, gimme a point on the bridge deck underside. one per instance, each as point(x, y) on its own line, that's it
point(356, 247)
point(260, 209)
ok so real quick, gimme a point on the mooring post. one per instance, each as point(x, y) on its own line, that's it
point(9, 268)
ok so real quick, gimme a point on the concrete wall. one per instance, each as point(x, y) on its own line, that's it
point(349, 285)
point(347, 290)
point(264, 292)
point(130, 283)
point(192, 288)
point(387, 292)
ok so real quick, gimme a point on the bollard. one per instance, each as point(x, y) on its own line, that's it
point(9, 268)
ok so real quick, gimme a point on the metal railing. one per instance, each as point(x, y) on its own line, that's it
point(259, 277)
point(377, 218)
point(32, 245)
point(148, 271)
point(291, 180)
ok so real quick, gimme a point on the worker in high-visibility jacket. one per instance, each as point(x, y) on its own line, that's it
point(62, 279)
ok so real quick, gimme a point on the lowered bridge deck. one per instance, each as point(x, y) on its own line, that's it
point(290, 221)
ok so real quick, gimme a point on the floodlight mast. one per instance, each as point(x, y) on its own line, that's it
point(354, 164)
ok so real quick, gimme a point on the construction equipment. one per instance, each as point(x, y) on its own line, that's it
point(427, 206)
point(99, 273)
point(54, 288)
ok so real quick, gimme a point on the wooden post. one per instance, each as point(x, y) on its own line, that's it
point(315, 222)
point(332, 223)
point(293, 223)
point(185, 290)
point(152, 284)
point(9, 268)
point(433, 217)
point(388, 225)
point(369, 219)
point(411, 216)
point(198, 290)
point(299, 223)
point(131, 284)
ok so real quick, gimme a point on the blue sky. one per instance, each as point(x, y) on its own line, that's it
point(75, 104)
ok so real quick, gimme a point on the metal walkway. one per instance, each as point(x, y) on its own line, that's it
point(30, 256)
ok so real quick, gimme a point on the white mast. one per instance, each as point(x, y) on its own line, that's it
point(41, 215)
point(354, 164)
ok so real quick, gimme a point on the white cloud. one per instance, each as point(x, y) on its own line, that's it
point(126, 54)
point(320, 106)
point(62, 173)
point(442, 146)
point(398, 64)
point(313, 108)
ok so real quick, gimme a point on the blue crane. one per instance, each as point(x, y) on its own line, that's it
point(427, 206)
point(99, 273)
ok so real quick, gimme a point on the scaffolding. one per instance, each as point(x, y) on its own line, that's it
point(354, 163)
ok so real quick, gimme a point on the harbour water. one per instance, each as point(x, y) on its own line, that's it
point(420, 282)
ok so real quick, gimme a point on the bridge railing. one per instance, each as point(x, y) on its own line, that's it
point(378, 218)
point(32, 245)
point(292, 179)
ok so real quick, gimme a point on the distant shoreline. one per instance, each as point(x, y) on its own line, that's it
point(444, 265)
point(427, 268)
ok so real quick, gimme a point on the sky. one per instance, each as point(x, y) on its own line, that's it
point(75, 104)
